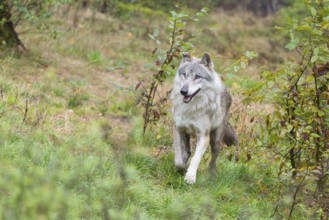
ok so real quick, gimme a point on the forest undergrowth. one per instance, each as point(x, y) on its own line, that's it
point(72, 140)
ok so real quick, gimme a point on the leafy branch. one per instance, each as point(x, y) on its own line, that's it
point(296, 129)
point(164, 65)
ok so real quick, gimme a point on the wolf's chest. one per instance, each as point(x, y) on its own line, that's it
point(197, 121)
point(192, 122)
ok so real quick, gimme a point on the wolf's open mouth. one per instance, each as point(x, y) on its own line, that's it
point(188, 98)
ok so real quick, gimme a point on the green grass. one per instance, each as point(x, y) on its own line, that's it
point(80, 152)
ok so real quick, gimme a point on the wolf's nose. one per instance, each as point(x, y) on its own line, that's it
point(183, 91)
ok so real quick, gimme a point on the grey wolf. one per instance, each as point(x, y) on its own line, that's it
point(201, 106)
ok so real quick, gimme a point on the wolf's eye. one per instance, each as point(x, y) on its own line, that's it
point(183, 74)
point(197, 77)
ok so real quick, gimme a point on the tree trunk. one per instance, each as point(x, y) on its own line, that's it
point(8, 35)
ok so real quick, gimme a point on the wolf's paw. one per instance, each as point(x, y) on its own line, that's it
point(213, 168)
point(181, 169)
point(190, 179)
point(180, 166)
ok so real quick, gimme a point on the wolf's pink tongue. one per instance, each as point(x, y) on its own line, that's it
point(187, 98)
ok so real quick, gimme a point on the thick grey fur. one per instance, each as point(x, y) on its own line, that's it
point(201, 106)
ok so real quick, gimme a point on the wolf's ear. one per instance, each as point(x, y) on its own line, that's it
point(186, 57)
point(205, 60)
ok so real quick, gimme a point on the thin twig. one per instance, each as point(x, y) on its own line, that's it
point(156, 82)
point(26, 109)
point(1, 93)
point(294, 202)
point(3, 112)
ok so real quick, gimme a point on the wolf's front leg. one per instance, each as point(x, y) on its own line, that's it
point(201, 148)
point(182, 149)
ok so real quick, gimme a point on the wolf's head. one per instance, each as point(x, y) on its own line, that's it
point(193, 74)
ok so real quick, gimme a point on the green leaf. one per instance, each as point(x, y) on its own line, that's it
point(310, 120)
point(251, 54)
point(236, 68)
point(187, 46)
point(313, 11)
point(304, 28)
point(292, 44)
point(181, 15)
point(200, 14)
point(315, 55)
point(179, 25)
point(315, 135)
point(243, 65)
point(151, 36)
point(326, 18)
point(270, 84)
point(156, 32)
point(173, 14)
point(321, 113)
point(309, 79)
point(149, 66)
point(205, 10)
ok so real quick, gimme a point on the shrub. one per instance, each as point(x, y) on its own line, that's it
point(297, 128)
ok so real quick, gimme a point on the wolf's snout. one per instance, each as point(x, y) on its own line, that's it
point(184, 91)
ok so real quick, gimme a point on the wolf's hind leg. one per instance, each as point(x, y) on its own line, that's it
point(182, 149)
point(186, 152)
point(216, 137)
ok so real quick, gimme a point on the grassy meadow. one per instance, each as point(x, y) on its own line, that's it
point(71, 141)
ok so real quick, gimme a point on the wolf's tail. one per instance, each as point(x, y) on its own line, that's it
point(230, 138)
